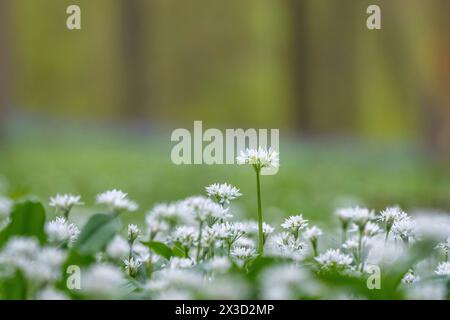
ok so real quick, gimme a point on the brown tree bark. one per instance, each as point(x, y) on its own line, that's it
point(136, 104)
point(299, 60)
point(4, 66)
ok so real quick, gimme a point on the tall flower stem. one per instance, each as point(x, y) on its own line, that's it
point(199, 240)
point(260, 218)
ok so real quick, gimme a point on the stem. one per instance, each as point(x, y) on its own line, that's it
point(260, 218)
point(199, 240)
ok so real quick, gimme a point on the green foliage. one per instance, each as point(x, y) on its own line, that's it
point(14, 288)
point(97, 232)
point(27, 220)
point(160, 249)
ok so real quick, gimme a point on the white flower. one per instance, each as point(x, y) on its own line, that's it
point(142, 253)
point(228, 231)
point(118, 248)
point(345, 215)
point(261, 158)
point(361, 216)
point(390, 215)
point(351, 244)
point(223, 193)
point(242, 253)
point(61, 231)
point(334, 259)
point(102, 281)
point(38, 265)
point(204, 209)
point(116, 201)
point(295, 223)
point(287, 282)
point(444, 247)
point(132, 266)
point(443, 269)
point(133, 232)
point(218, 265)
point(410, 277)
point(185, 235)
point(180, 263)
point(313, 233)
point(371, 229)
point(65, 202)
point(51, 294)
point(155, 226)
point(404, 229)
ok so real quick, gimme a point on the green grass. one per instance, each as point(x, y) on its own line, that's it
point(313, 178)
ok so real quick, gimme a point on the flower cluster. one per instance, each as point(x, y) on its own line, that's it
point(194, 249)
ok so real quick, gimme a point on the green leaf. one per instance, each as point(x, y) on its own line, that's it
point(160, 249)
point(14, 288)
point(178, 251)
point(97, 232)
point(27, 220)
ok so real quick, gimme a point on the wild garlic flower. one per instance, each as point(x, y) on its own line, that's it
point(102, 281)
point(180, 263)
point(133, 232)
point(410, 277)
point(142, 253)
point(51, 294)
point(242, 253)
point(132, 266)
point(229, 231)
point(313, 233)
point(118, 248)
point(295, 224)
point(444, 247)
point(223, 193)
point(404, 229)
point(351, 245)
point(371, 229)
point(65, 202)
point(155, 226)
point(443, 269)
point(361, 216)
point(61, 231)
point(345, 216)
point(38, 265)
point(259, 158)
point(391, 215)
point(117, 201)
point(287, 246)
point(334, 260)
point(218, 265)
point(205, 210)
point(185, 235)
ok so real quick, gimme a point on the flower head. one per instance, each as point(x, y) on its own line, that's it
point(61, 231)
point(223, 193)
point(391, 215)
point(259, 158)
point(132, 266)
point(118, 248)
point(65, 202)
point(295, 223)
point(312, 234)
point(404, 229)
point(116, 201)
point(334, 259)
point(133, 232)
point(443, 269)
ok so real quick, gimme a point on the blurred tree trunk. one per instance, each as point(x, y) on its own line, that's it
point(437, 90)
point(300, 57)
point(136, 85)
point(4, 66)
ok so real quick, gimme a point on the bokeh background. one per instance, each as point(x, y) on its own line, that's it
point(364, 116)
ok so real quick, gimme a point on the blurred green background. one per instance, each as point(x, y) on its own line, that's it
point(364, 116)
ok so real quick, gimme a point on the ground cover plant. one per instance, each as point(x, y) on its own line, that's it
point(196, 248)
